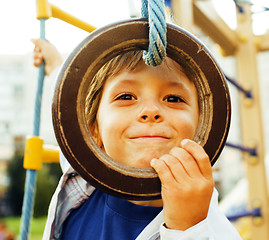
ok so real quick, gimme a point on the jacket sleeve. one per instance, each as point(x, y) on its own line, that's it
point(70, 193)
point(215, 227)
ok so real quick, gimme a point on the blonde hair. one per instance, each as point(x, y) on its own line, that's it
point(128, 60)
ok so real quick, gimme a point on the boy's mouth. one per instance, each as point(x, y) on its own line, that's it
point(151, 135)
point(150, 138)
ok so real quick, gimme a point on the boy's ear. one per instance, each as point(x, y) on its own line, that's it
point(95, 135)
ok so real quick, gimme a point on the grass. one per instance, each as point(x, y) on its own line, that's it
point(37, 227)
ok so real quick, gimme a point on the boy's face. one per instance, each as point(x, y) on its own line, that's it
point(144, 113)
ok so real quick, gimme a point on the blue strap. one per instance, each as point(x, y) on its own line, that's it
point(154, 10)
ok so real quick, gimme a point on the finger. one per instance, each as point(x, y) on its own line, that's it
point(37, 62)
point(38, 58)
point(37, 50)
point(38, 42)
point(199, 155)
point(187, 161)
point(164, 173)
point(175, 167)
point(37, 55)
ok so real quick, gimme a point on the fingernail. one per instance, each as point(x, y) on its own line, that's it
point(152, 161)
point(184, 141)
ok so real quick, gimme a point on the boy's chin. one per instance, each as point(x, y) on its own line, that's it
point(143, 165)
point(137, 163)
point(140, 158)
point(143, 161)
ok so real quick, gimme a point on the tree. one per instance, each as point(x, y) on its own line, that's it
point(47, 180)
point(15, 190)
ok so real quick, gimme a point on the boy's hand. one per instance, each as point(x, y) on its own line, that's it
point(44, 50)
point(187, 185)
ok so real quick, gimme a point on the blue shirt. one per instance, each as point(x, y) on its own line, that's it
point(106, 217)
point(73, 191)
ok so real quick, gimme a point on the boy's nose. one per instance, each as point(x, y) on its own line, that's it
point(148, 117)
point(150, 113)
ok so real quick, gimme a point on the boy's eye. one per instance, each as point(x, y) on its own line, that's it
point(173, 99)
point(126, 96)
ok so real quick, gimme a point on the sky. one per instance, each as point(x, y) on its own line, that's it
point(18, 23)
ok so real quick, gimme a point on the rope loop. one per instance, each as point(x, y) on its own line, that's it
point(154, 10)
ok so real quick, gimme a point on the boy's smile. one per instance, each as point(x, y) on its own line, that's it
point(146, 112)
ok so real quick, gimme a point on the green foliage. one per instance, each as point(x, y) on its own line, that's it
point(36, 231)
point(47, 180)
point(15, 191)
point(45, 187)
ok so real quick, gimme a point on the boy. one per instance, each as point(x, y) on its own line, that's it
point(153, 113)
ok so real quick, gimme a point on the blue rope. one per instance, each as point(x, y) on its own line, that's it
point(256, 212)
point(155, 12)
point(251, 151)
point(27, 209)
point(168, 3)
point(247, 93)
point(30, 182)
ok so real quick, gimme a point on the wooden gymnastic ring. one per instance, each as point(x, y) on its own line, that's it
point(69, 122)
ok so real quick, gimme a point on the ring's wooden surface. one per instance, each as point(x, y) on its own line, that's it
point(73, 134)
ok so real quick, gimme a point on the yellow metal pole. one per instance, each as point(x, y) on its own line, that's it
point(251, 123)
point(43, 9)
point(36, 153)
point(46, 10)
point(33, 153)
point(66, 17)
point(50, 154)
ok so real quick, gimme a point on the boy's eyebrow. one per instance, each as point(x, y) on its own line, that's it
point(134, 81)
point(177, 83)
point(126, 81)
point(182, 86)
